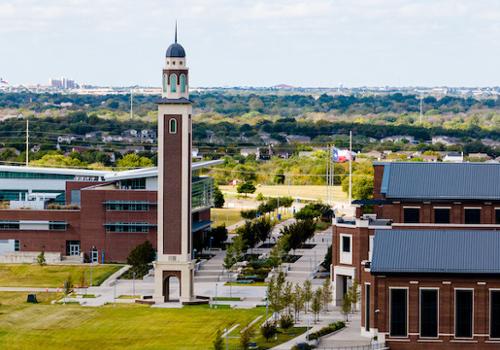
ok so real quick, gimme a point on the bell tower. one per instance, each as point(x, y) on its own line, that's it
point(174, 179)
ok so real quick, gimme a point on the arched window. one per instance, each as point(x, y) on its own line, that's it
point(173, 83)
point(172, 126)
point(165, 83)
point(182, 80)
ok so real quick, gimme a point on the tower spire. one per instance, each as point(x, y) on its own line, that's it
point(176, 31)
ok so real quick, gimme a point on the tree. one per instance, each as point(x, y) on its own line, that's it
point(245, 337)
point(298, 301)
point(229, 259)
point(58, 161)
point(354, 294)
point(362, 185)
point(268, 330)
point(308, 293)
point(286, 322)
point(287, 297)
point(298, 232)
point(316, 304)
point(327, 261)
point(218, 342)
point(246, 187)
point(326, 293)
point(346, 306)
point(141, 257)
point(218, 198)
point(40, 259)
point(262, 229)
point(219, 235)
point(133, 160)
point(68, 285)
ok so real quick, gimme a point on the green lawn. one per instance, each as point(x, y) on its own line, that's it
point(226, 216)
point(307, 192)
point(26, 275)
point(43, 326)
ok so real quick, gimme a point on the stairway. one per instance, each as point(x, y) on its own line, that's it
point(212, 270)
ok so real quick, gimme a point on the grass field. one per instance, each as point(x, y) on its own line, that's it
point(43, 326)
point(302, 192)
point(226, 216)
point(27, 275)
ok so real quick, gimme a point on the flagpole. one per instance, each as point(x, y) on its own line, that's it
point(327, 179)
point(350, 167)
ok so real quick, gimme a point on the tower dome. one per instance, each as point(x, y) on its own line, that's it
point(175, 50)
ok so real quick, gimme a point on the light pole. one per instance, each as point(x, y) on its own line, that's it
point(133, 284)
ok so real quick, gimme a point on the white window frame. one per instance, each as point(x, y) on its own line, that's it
point(407, 312)
point(345, 257)
point(170, 126)
point(420, 312)
point(367, 307)
point(412, 207)
point(489, 311)
point(455, 313)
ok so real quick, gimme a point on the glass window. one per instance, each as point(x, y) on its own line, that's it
point(429, 313)
point(9, 225)
point(127, 206)
point(172, 126)
point(165, 83)
point(497, 216)
point(17, 245)
point(134, 184)
point(411, 215)
point(173, 83)
point(442, 216)
point(75, 197)
point(182, 80)
point(57, 225)
point(472, 216)
point(346, 244)
point(399, 312)
point(495, 314)
point(463, 313)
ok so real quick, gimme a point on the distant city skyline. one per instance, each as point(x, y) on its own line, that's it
point(254, 43)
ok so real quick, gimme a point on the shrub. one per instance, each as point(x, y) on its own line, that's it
point(286, 322)
point(268, 330)
point(246, 187)
point(332, 327)
point(249, 214)
point(302, 346)
point(40, 259)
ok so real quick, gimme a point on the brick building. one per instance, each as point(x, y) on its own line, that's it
point(102, 214)
point(440, 199)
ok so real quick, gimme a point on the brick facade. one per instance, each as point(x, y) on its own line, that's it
point(86, 225)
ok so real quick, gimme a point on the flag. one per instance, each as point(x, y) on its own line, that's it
point(341, 155)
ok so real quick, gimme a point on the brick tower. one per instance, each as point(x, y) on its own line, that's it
point(174, 179)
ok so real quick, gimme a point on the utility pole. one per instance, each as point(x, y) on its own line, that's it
point(27, 141)
point(131, 103)
point(350, 167)
point(421, 107)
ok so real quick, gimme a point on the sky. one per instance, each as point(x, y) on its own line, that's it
point(308, 43)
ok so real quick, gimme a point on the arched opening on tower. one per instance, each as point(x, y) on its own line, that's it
point(171, 287)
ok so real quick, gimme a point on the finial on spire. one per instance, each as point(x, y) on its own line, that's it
point(176, 31)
